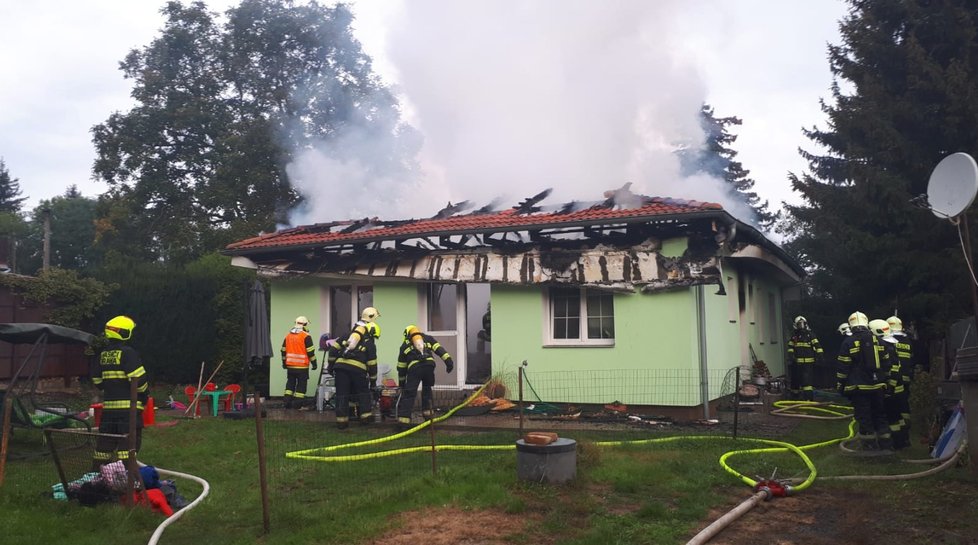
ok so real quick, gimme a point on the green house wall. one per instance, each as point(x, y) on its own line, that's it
point(655, 358)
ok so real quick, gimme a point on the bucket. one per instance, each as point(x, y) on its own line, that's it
point(95, 409)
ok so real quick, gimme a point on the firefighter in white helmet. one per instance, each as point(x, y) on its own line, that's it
point(862, 375)
point(298, 355)
point(803, 351)
point(905, 354)
point(844, 329)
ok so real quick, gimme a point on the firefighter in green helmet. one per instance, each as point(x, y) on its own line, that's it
point(118, 366)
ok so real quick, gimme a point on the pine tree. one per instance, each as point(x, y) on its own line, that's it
point(906, 74)
point(717, 158)
point(10, 199)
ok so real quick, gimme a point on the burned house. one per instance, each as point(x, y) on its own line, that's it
point(631, 289)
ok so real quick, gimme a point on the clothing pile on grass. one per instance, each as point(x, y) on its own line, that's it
point(109, 484)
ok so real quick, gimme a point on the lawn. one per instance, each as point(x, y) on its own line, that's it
point(646, 493)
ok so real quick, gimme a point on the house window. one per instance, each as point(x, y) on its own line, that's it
point(732, 300)
point(442, 307)
point(772, 318)
point(751, 303)
point(343, 313)
point(579, 316)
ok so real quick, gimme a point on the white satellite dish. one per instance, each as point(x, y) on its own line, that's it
point(953, 185)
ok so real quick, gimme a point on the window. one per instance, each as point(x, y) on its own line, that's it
point(342, 311)
point(751, 303)
point(579, 316)
point(442, 307)
point(732, 300)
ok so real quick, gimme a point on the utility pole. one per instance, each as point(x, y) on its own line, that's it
point(46, 257)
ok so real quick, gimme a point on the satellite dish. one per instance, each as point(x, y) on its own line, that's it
point(953, 185)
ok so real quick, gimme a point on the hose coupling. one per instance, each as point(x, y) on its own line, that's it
point(774, 489)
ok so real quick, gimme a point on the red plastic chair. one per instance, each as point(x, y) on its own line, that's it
point(191, 391)
point(210, 386)
point(229, 400)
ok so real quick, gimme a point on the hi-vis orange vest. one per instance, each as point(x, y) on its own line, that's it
point(296, 356)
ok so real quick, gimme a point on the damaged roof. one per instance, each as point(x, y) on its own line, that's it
point(525, 216)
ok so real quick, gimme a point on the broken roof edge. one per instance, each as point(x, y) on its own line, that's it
point(236, 249)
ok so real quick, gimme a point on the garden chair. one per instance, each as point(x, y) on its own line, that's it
point(229, 400)
point(191, 392)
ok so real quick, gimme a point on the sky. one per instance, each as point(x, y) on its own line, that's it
point(511, 96)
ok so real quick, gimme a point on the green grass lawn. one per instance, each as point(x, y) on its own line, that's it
point(648, 493)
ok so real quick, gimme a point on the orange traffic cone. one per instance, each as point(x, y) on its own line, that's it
point(149, 413)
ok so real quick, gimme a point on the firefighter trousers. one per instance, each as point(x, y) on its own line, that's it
point(423, 375)
point(352, 385)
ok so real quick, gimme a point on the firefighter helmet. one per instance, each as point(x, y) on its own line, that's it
point(369, 314)
point(801, 322)
point(858, 319)
point(896, 324)
point(302, 322)
point(879, 328)
point(410, 331)
point(844, 329)
point(119, 328)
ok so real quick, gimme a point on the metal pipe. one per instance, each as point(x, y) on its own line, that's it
point(700, 298)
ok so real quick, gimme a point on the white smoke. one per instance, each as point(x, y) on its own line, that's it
point(513, 97)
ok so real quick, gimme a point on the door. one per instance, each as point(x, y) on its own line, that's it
point(478, 334)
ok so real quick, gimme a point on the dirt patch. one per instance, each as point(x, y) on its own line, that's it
point(830, 516)
point(453, 526)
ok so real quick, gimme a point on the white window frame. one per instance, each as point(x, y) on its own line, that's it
point(583, 341)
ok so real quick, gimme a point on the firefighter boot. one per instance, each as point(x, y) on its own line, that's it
point(288, 401)
point(885, 441)
point(866, 442)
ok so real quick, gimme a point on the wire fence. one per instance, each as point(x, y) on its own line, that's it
point(651, 387)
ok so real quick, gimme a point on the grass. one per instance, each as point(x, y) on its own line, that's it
point(632, 494)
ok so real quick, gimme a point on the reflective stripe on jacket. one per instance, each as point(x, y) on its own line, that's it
point(298, 350)
point(119, 364)
point(803, 347)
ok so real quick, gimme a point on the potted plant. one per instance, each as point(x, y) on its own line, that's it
point(760, 373)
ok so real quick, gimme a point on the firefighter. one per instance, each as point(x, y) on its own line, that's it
point(119, 366)
point(416, 365)
point(844, 329)
point(905, 353)
point(298, 354)
point(803, 349)
point(354, 370)
point(893, 397)
point(862, 376)
point(367, 316)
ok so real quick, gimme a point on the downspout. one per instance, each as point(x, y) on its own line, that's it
point(701, 338)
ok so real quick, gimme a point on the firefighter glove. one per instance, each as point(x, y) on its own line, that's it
point(449, 365)
point(329, 370)
point(839, 387)
point(314, 366)
point(401, 382)
point(284, 366)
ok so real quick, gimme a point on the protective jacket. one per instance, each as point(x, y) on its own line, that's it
point(298, 350)
point(863, 363)
point(409, 357)
point(363, 356)
point(905, 352)
point(803, 347)
point(119, 364)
